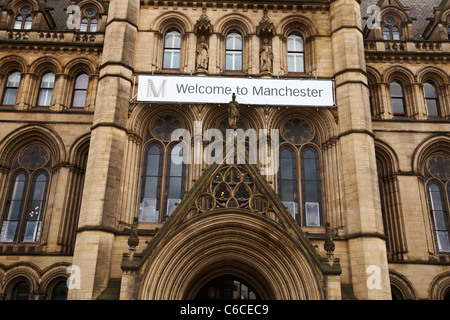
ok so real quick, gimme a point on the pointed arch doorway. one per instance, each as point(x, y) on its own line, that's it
point(229, 279)
point(227, 287)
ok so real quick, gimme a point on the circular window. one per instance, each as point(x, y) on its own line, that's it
point(439, 166)
point(25, 10)
point(90, 12)
point(34, 157)
point(297, 131)
point(390, 20)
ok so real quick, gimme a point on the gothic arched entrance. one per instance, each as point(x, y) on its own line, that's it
point(252, 240)
point(227, 287)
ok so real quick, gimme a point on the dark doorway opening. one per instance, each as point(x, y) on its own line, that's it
point(227, 288)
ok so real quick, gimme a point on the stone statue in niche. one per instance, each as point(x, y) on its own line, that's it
point(266, 56)
point(233, 112)
point(202, 55)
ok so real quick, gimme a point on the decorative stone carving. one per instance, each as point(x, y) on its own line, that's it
point(202, 55)
point(233, 112)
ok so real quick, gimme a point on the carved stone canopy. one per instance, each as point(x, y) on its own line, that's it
point(203, 25)
point(265, 27)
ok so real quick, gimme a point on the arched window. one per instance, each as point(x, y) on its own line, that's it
point(299, 183)
point(84, 25)
point(175, 178)
point(93, 26)
point(287, 180)
point(233, 54)
point(24, 20)
point(311, 188)
point(11, 88)
point(88, 25)
point(296, 54)
point(386, 33)
point(80, 91)
point(431, 100)
point(439, 216)
point(151, 183)
point(89, 21)
point(36, 207)
point(172, 50)
point(398, 99)
point(28, 23)
point(59, 291)
point(391, 31)
point(14, 207)
point(18, 23)
point(26, 198)
point(21, 291)
point(46, 89)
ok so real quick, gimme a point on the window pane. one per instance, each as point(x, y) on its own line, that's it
point(397, 98)
point(13, 80)
point(80, 91)
point(151, 184)
point(287, 190)
point(18, 23)
point(48, 80)
point(229, 61)
point(83, 25)
point(20, 291)
point(439, 216)
point(396, 90)
point(175, 182)
point(28, 23)
point(8, 231)
point(173, 40)
point(234, 41)
point(36, 208)
point(93, 26)
point(295, 43)
point(16, 198)
point(386, 33)
point(12, 84)
point(287, 180)
point(431, 99)
point(171, 59)
point(10, 97)
point(79, 99)
point(295, 54)
point(432, 108)
point(59, 291)
point(45, 97)
point(429, 90)
point(238, 61)
point(82, 81)
point(443, 241)
point(311, 187)
point(398, 106)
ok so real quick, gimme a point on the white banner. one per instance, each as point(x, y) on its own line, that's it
point(270, 92)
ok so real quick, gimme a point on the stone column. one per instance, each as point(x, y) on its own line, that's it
point(419, 108)
point(99, 208)
point(366, 244)
point(383, 96)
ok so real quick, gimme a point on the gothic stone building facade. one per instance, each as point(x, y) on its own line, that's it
point(90, 198)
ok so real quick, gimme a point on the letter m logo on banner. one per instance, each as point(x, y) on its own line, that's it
point(152, 90)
